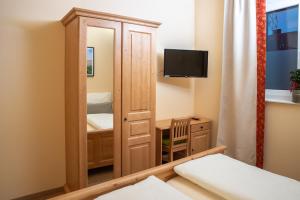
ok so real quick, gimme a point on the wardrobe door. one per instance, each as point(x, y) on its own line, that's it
point(76, 100)
point(138, 98)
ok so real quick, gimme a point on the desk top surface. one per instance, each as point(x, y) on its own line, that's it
point(166, 123)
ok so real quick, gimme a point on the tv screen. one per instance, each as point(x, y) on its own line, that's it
point(185, 63)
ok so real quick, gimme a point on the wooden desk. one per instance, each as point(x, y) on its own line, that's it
point(200, 136)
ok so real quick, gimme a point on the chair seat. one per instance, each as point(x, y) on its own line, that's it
point(176, 147)
point(177, 155)
point(166, 141)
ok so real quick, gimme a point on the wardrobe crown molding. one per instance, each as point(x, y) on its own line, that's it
point(74, 12)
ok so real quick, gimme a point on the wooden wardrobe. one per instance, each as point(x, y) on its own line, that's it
point(134, 93)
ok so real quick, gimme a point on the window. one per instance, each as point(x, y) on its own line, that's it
point(282, 46)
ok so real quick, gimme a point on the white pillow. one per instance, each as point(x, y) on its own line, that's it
point(99, 97)
point(149, 189)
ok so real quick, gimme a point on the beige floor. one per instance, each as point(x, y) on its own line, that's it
point(96, 176)
point(100, 175)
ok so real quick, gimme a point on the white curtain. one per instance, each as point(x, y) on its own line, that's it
point(237, 119)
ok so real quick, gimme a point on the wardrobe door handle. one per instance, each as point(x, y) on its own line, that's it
point(125, 119)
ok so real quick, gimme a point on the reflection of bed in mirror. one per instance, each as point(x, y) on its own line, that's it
point(99, 130)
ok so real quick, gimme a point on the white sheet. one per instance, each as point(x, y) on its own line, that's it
point(99, 97)
point(149, 189)
point(192, 190)
point(101, 120)
point(236, 180)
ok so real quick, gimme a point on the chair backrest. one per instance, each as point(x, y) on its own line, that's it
point(180, 129)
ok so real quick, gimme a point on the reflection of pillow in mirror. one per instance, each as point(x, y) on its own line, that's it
point(99, 97)
point(95, 108)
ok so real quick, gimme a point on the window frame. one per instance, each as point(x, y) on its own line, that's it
point(283, 96)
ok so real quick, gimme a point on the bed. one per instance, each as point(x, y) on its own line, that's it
point(101, 121)
point(99, 130)
point(100, 147)
point(180, 180)
point(164, 172)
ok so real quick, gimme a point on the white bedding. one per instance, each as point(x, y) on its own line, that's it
point(149, 189)
point(236, 180)
point(101, 120)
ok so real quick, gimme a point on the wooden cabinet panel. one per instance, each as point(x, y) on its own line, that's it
point(92, 144)
point(140, 153)
point(138, 103)
point(141, 65)
point(100, 149)
point(107, 147)
point(75, 133)
point(199, 141)
point(140, 127)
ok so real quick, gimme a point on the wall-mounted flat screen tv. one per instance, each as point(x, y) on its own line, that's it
point(185, 63)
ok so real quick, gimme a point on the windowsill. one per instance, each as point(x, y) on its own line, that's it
point(272, 100)
point(279, 96)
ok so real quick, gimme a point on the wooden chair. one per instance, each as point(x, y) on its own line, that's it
point(179, 139)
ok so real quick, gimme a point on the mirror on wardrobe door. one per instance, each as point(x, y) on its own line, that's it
point(100, 129)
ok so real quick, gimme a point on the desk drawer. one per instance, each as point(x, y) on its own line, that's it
point(199, 127)
point(198, 133)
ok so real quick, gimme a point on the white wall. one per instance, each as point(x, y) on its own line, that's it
point(103, 42)
point(282, 139)
point(209, 34)
point(32, 82)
